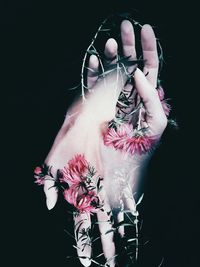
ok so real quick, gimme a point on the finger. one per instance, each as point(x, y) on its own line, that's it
point(128, 46)
point(92, 74)
point(120, 218)
point(128, 39)
point(129, 201)
point(82, 225)
point(155, 118)
point(110, 51)
point(150, 54)
point(107, 235)
point(51, 192)
point(101, 104)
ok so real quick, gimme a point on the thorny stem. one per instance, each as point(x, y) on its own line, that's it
point(136, 227)
point(85, 57)
point(139, 119)
point(161, 262)
point(101, 64)
point(137, 235)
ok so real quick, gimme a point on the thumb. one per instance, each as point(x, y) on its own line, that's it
point(156, 117)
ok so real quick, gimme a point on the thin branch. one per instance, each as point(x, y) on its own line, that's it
point(86, 54)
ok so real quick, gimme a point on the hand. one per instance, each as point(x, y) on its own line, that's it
point(81, 132)
point(122, 172)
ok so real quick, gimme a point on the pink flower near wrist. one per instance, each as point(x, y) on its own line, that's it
point(126, 139)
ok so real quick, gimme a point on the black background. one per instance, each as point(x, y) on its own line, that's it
point(43, 45)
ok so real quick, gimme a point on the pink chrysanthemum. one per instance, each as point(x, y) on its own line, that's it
point(87, 202)
point(37, 170)
point(75, 170)
point(165, 105)
point(127, 140)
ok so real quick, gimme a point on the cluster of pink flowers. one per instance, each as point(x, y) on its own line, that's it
point(80, 192)
point(77, 178)
point(128, 140)
point(85, 202)
point(165, 105)
point(39, 175)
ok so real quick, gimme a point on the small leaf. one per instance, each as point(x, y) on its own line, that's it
point(105, 30)
point(69, 233)
point(90, 70)
point(101, 254)
point(99, 181)
point(161, 262)
point(131, 239)
point(100, 188)
point(79, 222)
point(75, 87)
point(140, 199)
point(123, 223)
point(111, 258)
point(77, 230)
point(173, 123)
point(97, 263)
point(83, 257)
point(110, 231)
point(83, 238)
point(122, 104)
point(92, 52)
point(106, 72)
point(95, 239)
point(76, 247)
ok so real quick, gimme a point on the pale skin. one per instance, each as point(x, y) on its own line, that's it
point(81, 131)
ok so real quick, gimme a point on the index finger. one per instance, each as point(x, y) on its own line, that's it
point(128, 39)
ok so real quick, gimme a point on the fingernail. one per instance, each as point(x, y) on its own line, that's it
point(50, 203)
point(85, 262)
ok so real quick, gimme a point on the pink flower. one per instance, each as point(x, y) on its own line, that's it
point(38, 170)
point(75, 170)
point(39, 176)
point(86, 202)
point(71, 195)
point(127, 140)
point(139, 144)
point(40, 181)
